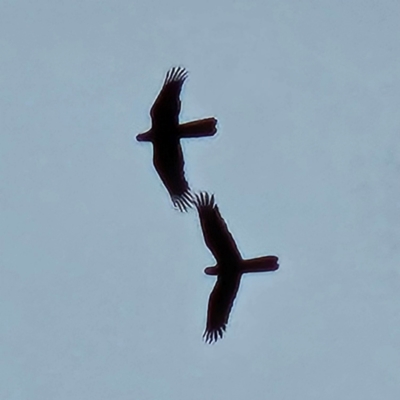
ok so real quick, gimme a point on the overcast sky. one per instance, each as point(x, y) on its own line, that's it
point(102, 291)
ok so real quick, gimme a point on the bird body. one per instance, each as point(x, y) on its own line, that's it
point(165, 135)
point(229, 269)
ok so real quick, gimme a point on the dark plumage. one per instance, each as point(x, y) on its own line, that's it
point(165, 134)
point(229, 268)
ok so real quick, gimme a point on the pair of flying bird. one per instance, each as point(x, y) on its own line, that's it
point(165, 134)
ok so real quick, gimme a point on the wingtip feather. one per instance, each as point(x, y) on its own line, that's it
point(204, 199)
point(176, 74)
point(183, 202)
point(211, 336)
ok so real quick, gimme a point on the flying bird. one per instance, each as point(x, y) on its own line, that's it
point(229, 268)
point(165, 134)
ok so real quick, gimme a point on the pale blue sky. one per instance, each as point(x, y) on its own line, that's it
point(102, 291)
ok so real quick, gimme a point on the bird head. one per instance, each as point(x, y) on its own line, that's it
point(211, 270)
point(145, 137)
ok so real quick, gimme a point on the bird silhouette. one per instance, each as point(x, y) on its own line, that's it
point(229, 268)
point(165, 134)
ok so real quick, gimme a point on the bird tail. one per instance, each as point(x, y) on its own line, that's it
point(199, 128)
point(260, 264)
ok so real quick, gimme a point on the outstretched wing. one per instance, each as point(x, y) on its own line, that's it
point(220, 305)
point(169, 163)
point(216, 235)
point(166, 108)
